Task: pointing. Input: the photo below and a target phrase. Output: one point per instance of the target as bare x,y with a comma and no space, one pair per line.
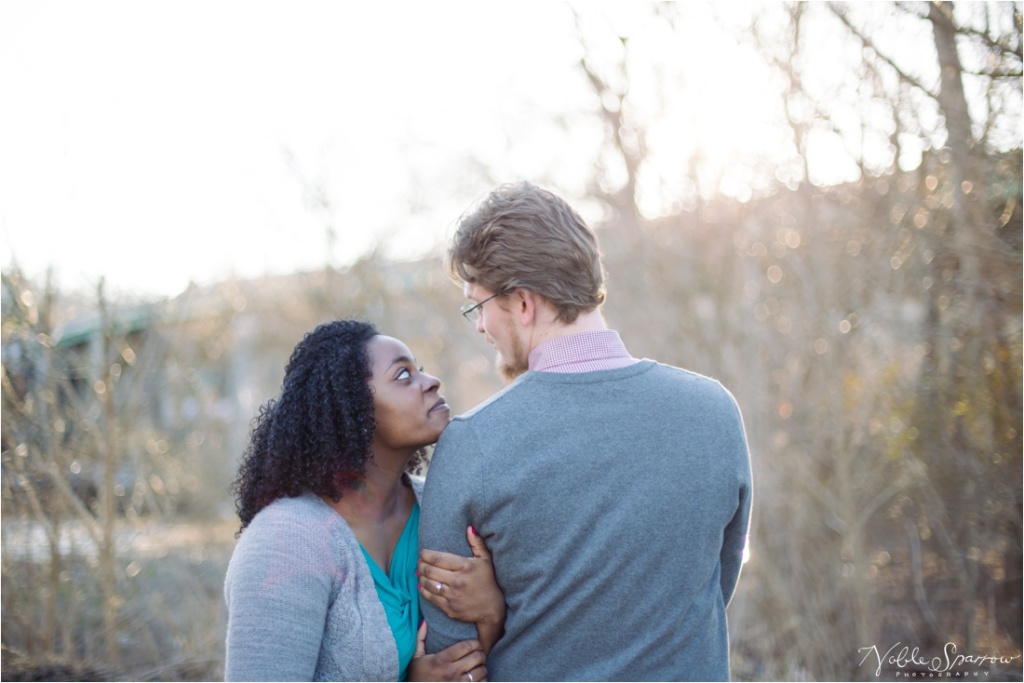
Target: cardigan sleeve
278,589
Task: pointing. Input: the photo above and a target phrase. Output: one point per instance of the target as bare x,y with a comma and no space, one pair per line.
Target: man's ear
525,306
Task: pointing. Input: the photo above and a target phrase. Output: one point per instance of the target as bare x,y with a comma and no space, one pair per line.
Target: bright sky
155,143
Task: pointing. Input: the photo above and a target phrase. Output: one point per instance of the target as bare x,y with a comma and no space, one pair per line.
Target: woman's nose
432,382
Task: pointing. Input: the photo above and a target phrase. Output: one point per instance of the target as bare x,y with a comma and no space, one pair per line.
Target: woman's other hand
463,661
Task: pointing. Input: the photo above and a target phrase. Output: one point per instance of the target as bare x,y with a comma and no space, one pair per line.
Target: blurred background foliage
870,330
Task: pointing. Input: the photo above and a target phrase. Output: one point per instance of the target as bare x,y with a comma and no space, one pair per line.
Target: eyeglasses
469,310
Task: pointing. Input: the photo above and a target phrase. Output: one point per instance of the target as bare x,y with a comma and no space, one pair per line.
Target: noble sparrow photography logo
909,662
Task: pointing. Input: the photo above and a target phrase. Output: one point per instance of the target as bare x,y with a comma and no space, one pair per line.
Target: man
613,493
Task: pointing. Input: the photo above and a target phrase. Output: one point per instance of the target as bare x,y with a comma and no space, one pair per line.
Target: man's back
615,504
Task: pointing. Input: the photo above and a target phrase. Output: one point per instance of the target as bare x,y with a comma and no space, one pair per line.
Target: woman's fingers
449,561
421,640
435,596
463,588
477,545
431,589
448,568
430,573
438,583
477,674
464,650
472,661
463,661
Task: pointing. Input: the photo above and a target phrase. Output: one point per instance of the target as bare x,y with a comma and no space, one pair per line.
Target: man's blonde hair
523,236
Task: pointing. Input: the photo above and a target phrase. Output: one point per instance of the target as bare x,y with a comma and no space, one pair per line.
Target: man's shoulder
495,403
689,379
647,377
464,434
644,375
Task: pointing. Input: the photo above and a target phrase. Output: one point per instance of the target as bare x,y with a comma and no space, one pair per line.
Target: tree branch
996,74
868,43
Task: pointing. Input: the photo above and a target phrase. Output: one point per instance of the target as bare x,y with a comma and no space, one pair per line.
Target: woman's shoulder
297,543
301,509
300,525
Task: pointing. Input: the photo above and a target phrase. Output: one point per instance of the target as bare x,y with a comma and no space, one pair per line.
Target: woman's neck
376,510
379,495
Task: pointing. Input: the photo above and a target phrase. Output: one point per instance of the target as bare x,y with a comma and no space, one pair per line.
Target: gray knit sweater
616,505
302,605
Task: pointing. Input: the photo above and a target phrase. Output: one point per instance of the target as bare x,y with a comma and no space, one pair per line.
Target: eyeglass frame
470,308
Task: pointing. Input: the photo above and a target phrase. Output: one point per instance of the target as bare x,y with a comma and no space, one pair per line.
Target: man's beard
517,364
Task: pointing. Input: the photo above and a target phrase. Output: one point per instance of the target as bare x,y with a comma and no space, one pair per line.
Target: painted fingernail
420,587
417,572
474,531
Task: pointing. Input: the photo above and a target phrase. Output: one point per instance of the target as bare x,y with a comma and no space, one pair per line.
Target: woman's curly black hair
316,436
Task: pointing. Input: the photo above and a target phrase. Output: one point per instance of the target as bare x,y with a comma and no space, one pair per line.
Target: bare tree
871,330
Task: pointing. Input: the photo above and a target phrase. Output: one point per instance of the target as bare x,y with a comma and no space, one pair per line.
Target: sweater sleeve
278,591
734,542
445,512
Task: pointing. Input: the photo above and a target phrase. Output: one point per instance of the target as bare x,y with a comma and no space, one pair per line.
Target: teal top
397,590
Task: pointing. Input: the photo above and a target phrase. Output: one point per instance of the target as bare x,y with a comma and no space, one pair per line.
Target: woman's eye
403,374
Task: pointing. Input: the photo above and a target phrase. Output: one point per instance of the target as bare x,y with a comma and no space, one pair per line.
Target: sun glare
233,158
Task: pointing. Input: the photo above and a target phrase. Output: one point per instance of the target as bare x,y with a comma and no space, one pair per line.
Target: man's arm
452,482
734,542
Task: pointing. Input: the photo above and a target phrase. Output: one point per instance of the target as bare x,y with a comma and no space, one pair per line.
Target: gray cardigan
302,605
616,506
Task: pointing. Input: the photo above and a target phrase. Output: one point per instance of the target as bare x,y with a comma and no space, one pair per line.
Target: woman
322,584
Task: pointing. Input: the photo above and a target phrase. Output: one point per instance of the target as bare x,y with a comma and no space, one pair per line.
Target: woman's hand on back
463,661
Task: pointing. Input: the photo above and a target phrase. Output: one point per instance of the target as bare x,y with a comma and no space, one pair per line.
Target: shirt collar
581,352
